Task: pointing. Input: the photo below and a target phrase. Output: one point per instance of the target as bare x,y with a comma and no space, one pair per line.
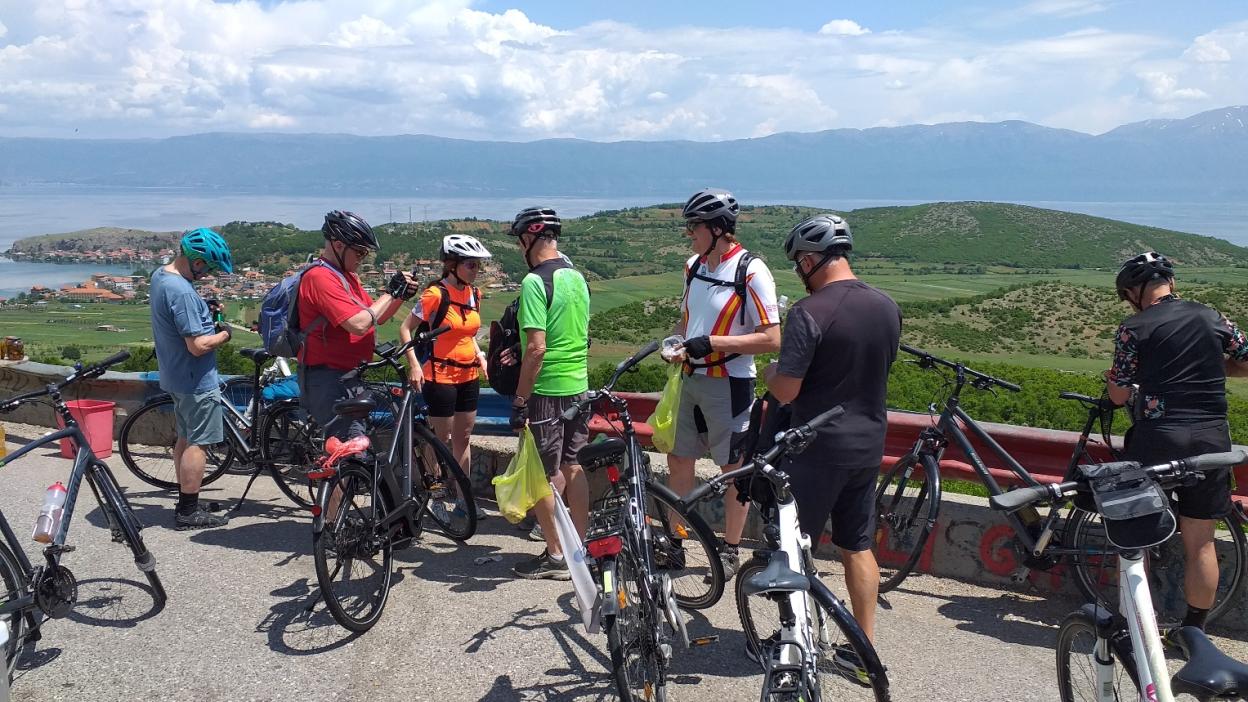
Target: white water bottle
783,303
49,521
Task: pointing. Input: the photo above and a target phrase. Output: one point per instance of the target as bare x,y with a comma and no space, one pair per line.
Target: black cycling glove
519,416
698,347
400,288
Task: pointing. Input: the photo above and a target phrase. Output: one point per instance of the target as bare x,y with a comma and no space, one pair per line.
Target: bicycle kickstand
243,498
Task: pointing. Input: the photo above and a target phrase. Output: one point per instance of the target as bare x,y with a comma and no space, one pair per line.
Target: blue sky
646,70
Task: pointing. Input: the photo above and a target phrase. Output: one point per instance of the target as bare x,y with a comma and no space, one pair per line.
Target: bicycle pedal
704,640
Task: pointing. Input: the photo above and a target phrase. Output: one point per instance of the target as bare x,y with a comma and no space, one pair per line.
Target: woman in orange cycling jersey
449,378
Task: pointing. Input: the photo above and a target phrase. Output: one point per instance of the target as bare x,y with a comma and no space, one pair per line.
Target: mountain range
1203,158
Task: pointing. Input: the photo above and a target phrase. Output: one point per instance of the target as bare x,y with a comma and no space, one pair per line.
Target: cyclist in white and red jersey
728,314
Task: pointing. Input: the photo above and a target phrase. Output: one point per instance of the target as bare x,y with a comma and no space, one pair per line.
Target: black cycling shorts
846,496
445,399
1157,442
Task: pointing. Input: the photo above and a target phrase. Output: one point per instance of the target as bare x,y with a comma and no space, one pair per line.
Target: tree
71,353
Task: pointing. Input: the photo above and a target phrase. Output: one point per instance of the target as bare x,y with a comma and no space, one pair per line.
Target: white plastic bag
588,596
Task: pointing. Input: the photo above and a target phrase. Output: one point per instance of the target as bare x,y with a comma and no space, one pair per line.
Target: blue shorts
198,417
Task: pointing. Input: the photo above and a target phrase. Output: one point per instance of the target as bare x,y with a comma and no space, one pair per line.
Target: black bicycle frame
933,442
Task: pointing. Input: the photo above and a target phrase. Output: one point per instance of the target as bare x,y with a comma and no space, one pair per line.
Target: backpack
280,329
424,350
504,335
740,288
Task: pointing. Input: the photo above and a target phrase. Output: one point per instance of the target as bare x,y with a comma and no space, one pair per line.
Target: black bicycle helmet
712,204
537,220
825,232
350,229
1142,269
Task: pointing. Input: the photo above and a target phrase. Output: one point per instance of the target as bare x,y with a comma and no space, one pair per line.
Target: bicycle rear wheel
451,505
238,392
12,586
1077,666
1096,567
146,443
288,446
636,661
125,526
685,547
353,562
907,503
848,666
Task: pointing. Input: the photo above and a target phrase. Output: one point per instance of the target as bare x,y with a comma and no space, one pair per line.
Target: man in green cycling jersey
554,375
1171,360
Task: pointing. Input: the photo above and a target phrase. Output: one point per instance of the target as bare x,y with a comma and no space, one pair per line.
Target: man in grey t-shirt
837,347
186,342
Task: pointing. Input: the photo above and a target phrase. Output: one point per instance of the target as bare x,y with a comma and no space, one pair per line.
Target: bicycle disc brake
56,592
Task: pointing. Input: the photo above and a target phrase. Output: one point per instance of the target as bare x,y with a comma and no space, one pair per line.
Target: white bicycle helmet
463,246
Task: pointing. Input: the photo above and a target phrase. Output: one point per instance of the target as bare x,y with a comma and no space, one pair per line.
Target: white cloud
159,67
844,28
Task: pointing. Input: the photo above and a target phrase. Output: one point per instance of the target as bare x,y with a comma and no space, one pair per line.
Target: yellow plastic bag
663,421
524,482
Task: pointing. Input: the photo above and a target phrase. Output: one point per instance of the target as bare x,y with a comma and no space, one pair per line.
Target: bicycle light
606,546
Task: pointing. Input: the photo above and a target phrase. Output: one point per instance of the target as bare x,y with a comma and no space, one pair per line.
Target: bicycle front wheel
848,666
907,503
1096,566
685,547
288,446
1077,664
353,560
12,587
636,661
146,442
450,504
125,526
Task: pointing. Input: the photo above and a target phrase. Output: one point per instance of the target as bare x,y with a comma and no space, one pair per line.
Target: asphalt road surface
236,626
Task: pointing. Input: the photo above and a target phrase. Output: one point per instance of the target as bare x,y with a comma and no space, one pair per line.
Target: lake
18,276
30,210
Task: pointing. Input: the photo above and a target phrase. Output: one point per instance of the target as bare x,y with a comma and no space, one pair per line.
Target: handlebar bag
1133,507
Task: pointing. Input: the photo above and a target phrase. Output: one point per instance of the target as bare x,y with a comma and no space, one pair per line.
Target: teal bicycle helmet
206,245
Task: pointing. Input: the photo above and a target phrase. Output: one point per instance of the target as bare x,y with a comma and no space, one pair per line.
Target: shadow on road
114,602
1007,617
293,630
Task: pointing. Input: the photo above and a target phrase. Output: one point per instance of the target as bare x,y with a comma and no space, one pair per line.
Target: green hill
650,240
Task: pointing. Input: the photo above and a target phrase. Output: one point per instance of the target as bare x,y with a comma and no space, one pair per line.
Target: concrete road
236,625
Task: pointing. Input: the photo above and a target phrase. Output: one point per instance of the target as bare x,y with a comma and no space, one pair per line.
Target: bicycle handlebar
593,396
1017,499
928,360
94,370
786,441
390,358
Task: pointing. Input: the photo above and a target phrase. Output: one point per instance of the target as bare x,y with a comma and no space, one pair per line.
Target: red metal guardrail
1045,453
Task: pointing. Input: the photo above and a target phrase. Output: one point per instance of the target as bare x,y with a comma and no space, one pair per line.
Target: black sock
188,502
730,547
1195,617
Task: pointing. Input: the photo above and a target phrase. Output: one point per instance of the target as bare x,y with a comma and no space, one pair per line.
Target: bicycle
286,441
369,504
909,495
638,543
33,594
1109,657
796,647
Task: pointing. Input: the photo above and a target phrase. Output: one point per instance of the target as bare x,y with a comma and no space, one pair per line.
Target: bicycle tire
905,519
455,517
13,580
760,620
152,462
1076,661
628,639
288,447
127,527
697,573
351,531
1096,576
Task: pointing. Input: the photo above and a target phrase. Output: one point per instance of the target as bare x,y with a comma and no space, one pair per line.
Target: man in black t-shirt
1171,359
836,349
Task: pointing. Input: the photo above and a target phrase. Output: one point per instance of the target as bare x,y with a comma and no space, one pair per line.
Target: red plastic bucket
95,418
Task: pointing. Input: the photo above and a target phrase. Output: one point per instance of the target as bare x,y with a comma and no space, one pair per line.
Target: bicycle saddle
776,577
355,407
1089,401
1209,673
256,355
601,453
